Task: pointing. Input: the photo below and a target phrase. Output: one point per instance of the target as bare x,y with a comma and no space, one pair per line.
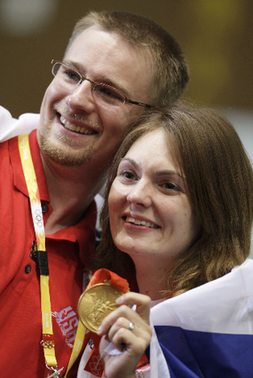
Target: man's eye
71,75
108,92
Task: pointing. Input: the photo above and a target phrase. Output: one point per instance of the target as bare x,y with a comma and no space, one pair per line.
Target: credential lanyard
47,341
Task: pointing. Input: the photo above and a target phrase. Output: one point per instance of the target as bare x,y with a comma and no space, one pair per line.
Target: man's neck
71,191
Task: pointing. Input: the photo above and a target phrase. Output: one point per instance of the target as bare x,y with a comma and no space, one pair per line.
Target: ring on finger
130,326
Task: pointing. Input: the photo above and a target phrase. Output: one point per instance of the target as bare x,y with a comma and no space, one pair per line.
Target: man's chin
65,156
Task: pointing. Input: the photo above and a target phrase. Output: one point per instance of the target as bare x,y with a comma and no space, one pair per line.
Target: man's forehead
106,55
95,34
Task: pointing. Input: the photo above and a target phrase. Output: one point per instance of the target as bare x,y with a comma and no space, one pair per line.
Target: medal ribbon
42,263
106,276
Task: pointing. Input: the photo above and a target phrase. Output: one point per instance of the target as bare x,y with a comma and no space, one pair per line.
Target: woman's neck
151,281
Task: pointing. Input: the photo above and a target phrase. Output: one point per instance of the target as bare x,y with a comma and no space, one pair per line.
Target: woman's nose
140,194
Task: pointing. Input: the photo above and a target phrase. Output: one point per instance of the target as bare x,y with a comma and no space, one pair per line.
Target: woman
178,210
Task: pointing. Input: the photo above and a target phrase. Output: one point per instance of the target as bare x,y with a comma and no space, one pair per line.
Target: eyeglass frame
94,84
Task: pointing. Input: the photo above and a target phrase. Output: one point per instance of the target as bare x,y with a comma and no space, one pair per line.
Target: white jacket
10,127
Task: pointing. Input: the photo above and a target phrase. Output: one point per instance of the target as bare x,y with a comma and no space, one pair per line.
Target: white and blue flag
206,332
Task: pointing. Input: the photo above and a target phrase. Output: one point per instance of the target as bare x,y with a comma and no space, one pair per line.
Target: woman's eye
171,186
129,175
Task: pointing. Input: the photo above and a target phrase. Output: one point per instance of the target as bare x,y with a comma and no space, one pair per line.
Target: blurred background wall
216,36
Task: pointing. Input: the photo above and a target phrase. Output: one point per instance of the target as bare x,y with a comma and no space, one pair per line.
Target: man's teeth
76,129
140,222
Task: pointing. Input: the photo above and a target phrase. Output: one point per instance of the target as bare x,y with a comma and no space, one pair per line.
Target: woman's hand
130,333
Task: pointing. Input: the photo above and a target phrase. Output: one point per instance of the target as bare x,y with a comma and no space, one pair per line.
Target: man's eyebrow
71,64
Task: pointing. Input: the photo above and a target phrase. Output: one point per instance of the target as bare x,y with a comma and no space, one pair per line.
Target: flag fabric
206,332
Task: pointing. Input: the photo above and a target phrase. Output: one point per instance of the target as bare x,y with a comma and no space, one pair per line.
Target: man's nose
81,98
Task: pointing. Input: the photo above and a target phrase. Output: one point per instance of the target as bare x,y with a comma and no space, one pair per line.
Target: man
116,66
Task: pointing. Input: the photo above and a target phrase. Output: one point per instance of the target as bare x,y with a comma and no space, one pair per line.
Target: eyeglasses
103,93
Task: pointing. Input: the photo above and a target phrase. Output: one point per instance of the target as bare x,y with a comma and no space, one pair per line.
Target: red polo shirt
21,354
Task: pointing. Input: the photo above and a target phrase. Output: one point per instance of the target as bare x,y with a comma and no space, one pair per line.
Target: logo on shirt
67,321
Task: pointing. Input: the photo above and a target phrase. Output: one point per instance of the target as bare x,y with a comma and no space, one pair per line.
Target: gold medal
96,303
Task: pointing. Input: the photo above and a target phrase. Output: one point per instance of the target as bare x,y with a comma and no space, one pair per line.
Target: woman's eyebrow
169,172
126,159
